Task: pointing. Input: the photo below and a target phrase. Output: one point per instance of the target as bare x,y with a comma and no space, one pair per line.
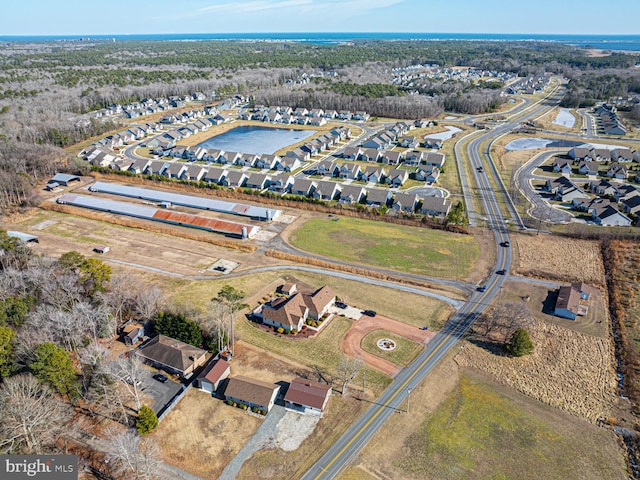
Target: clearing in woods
398,247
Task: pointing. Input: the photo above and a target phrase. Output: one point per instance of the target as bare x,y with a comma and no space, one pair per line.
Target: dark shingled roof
308,393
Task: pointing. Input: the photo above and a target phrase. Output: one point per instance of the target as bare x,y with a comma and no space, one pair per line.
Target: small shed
101,249
213,375
23,237
132,333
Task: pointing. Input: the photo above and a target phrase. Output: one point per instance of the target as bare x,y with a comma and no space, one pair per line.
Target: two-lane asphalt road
394,398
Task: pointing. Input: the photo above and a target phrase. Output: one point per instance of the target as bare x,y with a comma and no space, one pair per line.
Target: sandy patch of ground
568,370
350,343
559,258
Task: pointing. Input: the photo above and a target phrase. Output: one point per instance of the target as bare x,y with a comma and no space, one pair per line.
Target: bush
280,330
294,332
229,402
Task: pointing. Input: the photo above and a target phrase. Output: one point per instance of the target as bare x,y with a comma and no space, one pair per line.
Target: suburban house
352,153
292,312
215,175
258,181
618,171
378,197
172,355
349,171
267,161
581,153
247,159
405,202
397,178
370,155
624,155
352,194
434,159
562,166
288,163
250,392
213,375
564,189
427,174
174,170
435,143
631,205
435,206
392,157
194,173
410,142
604,187
303,186
326,168
307,397
607,214
326,190
281,183
234,179
587,167
156,167
373,174
413,158
139,166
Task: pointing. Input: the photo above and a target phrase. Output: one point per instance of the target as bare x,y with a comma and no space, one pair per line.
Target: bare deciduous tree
148,302
133,457
132,374
347,370
31,418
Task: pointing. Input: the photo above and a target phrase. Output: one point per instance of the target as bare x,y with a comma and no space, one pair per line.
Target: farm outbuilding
148,213
23,237
64,179
191,201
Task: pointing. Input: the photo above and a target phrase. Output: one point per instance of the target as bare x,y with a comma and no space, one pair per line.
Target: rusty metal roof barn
201,203
161,215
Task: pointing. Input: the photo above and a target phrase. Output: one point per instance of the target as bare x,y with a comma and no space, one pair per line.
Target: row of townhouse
394,177
609,120
589,167
130,135
147,106
619,154
603,211
411,158
388,138
301,115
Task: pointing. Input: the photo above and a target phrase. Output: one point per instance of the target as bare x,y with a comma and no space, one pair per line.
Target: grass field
398,247
483,431
404,353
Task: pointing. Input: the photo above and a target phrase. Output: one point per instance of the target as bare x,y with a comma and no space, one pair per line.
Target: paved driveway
160,392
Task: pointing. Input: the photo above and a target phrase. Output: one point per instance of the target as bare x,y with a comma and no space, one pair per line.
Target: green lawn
481,433
404,353
397,247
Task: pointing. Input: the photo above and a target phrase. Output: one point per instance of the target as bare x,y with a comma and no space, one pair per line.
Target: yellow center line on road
386,404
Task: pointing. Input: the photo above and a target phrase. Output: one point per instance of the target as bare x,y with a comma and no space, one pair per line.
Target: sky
99,17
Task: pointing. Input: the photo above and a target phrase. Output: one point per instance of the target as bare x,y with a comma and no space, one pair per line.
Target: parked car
341,305
483,288
220,268
161,378
426,327
369,313
501,272
505,244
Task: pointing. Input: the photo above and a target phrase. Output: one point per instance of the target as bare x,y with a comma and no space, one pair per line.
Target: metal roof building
64,179
159,215
24,237
201,203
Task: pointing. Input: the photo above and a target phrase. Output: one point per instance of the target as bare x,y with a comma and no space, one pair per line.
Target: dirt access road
350,343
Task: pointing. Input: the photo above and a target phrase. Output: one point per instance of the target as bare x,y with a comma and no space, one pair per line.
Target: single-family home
410,142
413,158
568,303
631,205
213,375
326,190
370,155
326,168
405,202
247,159
281,183
349,171
377,197
194,173
172,355
215,175
139,166
288,163
252,393
604,187
267,161
397,178
434,143
234,179
228,158
392,157
563,166
259,181
352,194
617,170
609,216
307,397
174,170
352,153
434,159
373,174
435,206
132,332
581,153
299,154
622,155
303,186
587,167
156,167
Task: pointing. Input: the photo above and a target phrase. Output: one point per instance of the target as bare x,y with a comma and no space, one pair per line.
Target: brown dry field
203,434
546,121
559,258
350,343
595,323
567,369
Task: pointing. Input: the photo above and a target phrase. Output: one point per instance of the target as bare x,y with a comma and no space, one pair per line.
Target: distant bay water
629,43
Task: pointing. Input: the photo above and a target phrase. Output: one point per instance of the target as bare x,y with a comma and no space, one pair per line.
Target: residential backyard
398,247
405,350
